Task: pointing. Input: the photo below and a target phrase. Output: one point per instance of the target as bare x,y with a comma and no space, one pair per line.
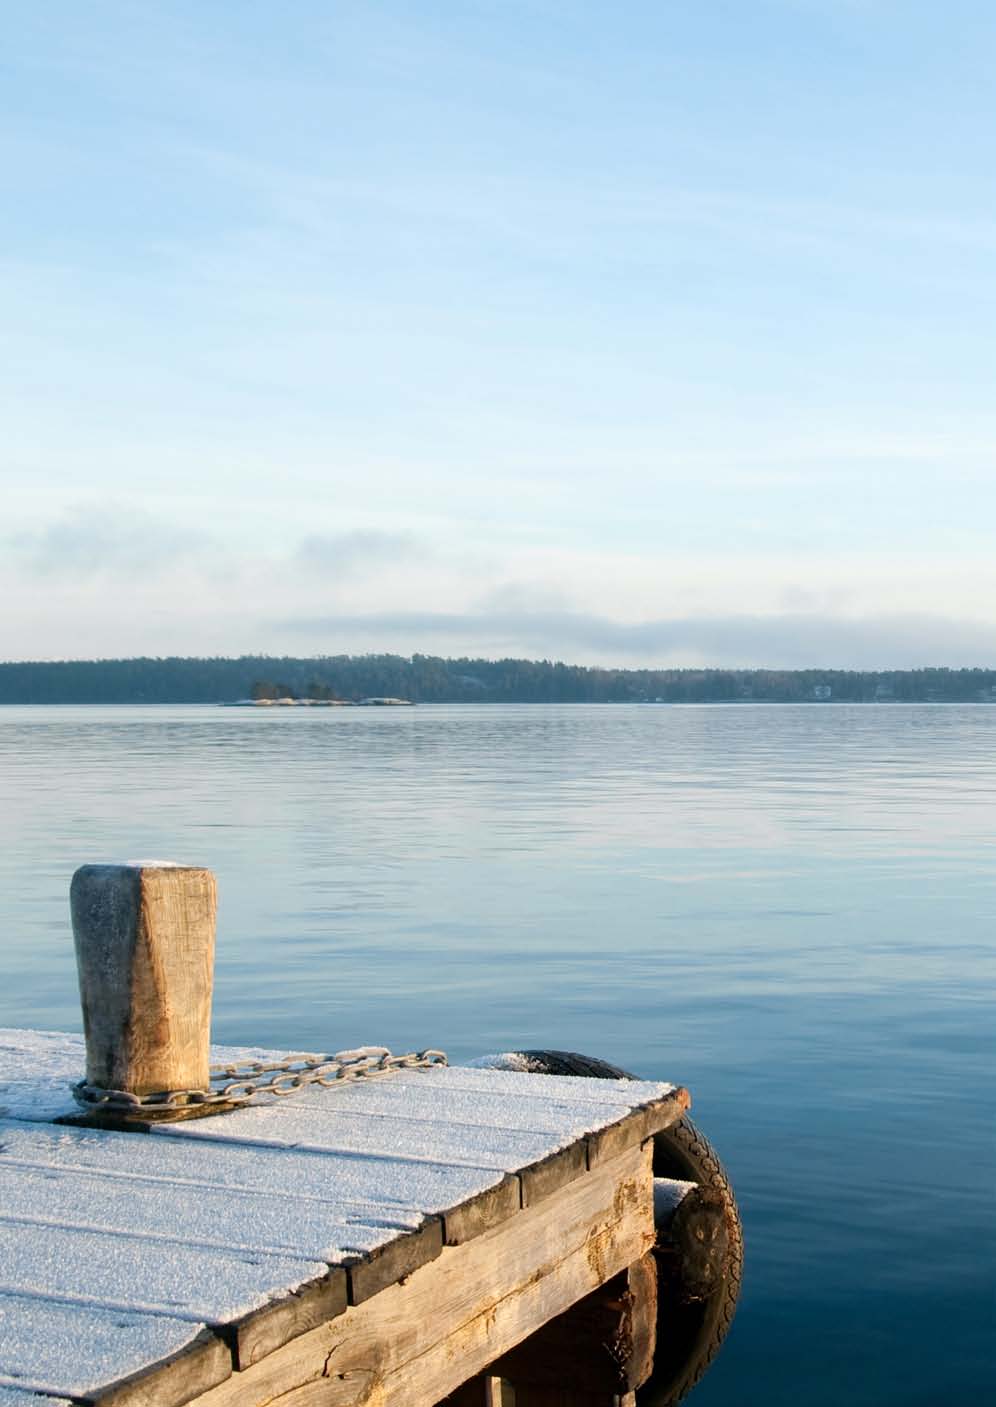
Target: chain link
242,1083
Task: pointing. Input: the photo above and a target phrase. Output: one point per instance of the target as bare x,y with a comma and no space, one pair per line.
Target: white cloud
786,641
107,540
347,554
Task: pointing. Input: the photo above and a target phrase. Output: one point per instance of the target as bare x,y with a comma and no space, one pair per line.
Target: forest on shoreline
430,679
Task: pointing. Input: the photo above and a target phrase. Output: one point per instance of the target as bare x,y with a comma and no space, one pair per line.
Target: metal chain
242,1083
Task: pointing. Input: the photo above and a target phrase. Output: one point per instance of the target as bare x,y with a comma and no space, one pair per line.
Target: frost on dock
131,1246
171,1245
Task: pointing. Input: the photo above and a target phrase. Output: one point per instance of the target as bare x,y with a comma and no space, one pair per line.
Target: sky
653,333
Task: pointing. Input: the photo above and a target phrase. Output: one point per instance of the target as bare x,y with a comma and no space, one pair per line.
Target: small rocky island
288,701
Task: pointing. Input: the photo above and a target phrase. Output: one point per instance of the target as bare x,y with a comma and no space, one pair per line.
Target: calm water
789,909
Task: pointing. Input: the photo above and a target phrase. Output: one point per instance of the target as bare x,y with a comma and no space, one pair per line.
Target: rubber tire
692,1333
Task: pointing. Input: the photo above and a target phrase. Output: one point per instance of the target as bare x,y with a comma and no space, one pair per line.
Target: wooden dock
396,1233
383,1242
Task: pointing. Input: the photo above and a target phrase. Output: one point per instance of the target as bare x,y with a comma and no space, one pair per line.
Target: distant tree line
429,679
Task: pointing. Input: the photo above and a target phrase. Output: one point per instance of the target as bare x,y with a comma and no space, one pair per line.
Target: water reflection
790,909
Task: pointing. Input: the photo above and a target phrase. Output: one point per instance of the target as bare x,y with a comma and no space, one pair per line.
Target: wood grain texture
667,1110
205,1362
266,1200
549,1174
394,1261
277,1323
145,957
479,1214
638,1126
420,1339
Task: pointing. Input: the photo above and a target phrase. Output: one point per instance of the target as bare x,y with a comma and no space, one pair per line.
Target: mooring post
144,937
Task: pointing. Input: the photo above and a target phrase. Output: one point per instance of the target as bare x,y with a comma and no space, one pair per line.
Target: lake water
789,909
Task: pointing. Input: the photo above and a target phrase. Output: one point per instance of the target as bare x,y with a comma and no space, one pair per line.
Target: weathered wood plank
554,1089
394,1261
440,1125
549,1174
37,1067
65,1348
177,1380
389,1191
275,1324
434,1118
199,1284
19,1397
642,1123
666,1109
479,1214
175,1211
417,1341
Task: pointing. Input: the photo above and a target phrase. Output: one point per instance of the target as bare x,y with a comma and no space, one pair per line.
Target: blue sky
647,333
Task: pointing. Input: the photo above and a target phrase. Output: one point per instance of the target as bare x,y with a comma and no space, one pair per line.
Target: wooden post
145,953
484,1391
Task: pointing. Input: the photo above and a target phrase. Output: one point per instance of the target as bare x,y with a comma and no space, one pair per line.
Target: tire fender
700,1246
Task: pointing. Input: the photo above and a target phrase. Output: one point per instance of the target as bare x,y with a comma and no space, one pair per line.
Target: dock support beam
145,952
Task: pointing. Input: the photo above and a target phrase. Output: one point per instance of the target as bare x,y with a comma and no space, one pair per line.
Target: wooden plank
636,1127
432,1123
420,1339
548,1175
395,1192
641,1288
37,1067
434,1119
174,1211
667,1109
439,1138
394,1261
273,1325
20,1397
149,1276
479,1214
553,1089
199,1366
68,1349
